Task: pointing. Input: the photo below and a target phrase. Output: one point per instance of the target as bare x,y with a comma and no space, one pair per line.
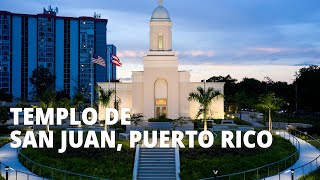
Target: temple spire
160,2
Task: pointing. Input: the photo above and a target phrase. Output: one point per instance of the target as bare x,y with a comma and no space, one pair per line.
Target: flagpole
109,71
91,54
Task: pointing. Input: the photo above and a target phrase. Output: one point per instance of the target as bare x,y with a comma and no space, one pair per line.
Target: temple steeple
160,29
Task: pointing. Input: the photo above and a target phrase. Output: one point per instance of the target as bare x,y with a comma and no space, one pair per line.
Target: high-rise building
62,44
111,49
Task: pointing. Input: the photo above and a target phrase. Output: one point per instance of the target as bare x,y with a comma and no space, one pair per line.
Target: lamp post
7,172
288,104
292,174
305,136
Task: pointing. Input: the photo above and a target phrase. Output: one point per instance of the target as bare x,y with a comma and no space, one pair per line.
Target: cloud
196,53
269,50
130,54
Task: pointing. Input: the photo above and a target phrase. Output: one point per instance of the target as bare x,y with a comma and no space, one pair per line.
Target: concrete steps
156,163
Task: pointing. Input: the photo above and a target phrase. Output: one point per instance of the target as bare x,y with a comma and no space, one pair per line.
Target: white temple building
161,88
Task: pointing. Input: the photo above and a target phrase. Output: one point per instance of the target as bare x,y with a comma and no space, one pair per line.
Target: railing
136,163
50,172
17,175
177,160
306,168
268,169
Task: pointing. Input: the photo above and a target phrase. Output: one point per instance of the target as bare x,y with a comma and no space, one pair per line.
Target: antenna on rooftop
97,16
50,10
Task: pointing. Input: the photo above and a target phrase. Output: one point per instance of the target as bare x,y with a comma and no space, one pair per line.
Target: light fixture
7,168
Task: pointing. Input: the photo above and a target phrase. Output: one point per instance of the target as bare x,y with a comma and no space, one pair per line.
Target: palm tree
78,100
104,98
205,99
47,100
269,103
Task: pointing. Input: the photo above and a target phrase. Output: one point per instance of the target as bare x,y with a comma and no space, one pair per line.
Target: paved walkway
307,154
9,157
246,117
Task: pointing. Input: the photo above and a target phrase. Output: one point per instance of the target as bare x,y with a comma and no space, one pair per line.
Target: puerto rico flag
115,60
98,60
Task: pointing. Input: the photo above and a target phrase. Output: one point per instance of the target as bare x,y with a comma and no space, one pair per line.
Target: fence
306,168
17,175
50,172
269,169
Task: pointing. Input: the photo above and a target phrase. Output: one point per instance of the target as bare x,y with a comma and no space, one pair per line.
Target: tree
4,115
137,119
270,103
47,100
205,99
104,98
308,88
229,86
5,96
240,99
41,79
78,100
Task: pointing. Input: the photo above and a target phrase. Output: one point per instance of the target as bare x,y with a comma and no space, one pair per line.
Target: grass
312,176
103,163
2,178
4,141
316,174
198,162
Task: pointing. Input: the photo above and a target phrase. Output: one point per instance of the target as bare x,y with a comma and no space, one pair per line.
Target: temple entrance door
161,98
161,107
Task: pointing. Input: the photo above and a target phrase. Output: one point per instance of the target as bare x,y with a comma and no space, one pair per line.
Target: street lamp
292,174
215,172
7,172
305,136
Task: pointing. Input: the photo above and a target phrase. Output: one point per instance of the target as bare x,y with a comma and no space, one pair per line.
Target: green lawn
312,176
199,163
103,163
4,141
2,178
316,174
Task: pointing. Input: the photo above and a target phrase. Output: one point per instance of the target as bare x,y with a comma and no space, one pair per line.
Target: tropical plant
239,99
104,98
41,79
47,100
4,115
137,119
269,103
179,122
78,100
205,98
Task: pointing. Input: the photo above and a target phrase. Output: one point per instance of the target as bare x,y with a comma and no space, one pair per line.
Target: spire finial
160,2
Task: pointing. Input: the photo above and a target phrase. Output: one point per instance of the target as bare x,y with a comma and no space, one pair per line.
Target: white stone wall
217,108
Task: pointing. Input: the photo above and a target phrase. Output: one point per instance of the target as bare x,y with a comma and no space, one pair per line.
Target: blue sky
254,38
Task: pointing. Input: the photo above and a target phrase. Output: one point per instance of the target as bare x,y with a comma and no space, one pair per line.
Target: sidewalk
246,117
307,154
9,157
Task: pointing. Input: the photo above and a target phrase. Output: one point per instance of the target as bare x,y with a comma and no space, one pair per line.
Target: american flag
115,60
98,60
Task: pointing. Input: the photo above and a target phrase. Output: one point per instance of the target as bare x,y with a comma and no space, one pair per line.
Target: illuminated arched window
160,42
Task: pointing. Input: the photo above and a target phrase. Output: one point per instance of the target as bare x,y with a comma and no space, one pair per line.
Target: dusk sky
242,38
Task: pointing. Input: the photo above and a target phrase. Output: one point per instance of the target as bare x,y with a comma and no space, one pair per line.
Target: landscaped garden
4,140
199,163
103,163
312,176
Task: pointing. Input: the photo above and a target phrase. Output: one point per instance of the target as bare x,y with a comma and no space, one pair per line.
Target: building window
160,41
